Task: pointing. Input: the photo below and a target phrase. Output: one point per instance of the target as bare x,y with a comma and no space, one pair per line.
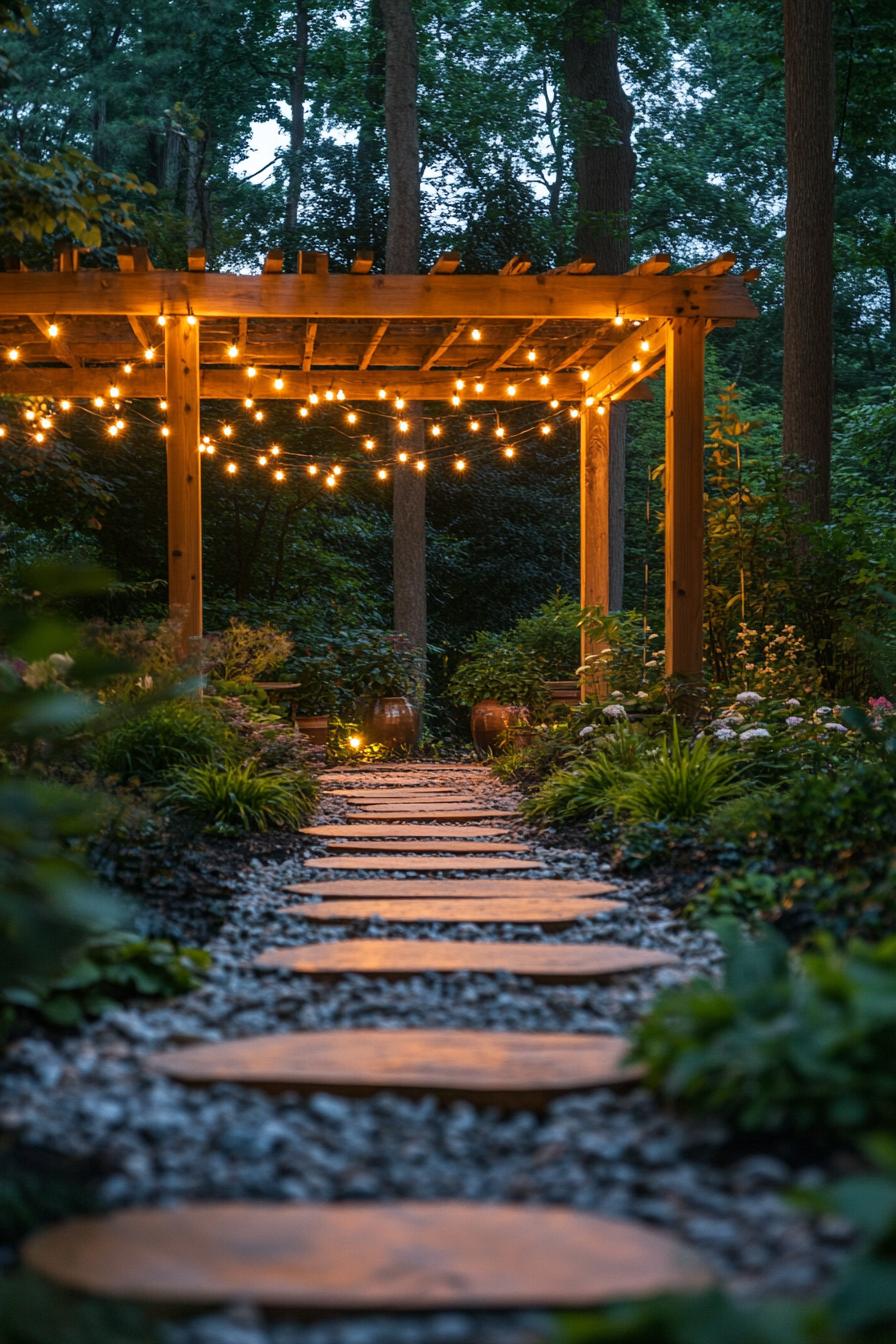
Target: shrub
677,782
493,669
264,735
583,790
242,796
244,652
168,736
785,1044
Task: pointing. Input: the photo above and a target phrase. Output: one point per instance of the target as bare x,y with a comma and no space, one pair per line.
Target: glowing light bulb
149,354
275,450
210,449
511,389
351,418
589,401
99,402
279,474
573,412
340,395
618,320
53,330
312,468
2,431
544,379
459,384
251,371
279,383
119,423
114,392
65,404
436,431
601,410
553,403
30,415
531,356
382,394
248,403
420,465
509,451
165,432
402,457
231,468
314,398
644,344
337,470
262,461
479,387
636,366
460,464
233,351
40,437
455,400
382,474
330,481
400,403
585,374
128,368
303,412
546,430
191,319
227,430
355,742
474,426
259,416
161,320
112,431
475,334
370,444
329,395
500,431
403,426
13,354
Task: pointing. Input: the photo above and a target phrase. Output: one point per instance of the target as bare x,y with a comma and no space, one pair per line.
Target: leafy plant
584,790
106,972
169,735
785,1044
244,652
243,796
677,781
494,669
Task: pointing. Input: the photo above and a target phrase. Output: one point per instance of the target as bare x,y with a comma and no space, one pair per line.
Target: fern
682,782
244,797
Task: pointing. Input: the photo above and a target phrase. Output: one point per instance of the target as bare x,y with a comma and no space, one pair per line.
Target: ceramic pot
490,722
391,720
316,727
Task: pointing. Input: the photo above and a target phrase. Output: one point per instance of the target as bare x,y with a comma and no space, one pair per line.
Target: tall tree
601,117
297,95
403,257
808,381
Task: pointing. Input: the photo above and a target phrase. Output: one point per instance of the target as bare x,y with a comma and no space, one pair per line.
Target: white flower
61,663
823,711
749,698
651,662
641,695
587,730
835,727
616,695
792,703
614,712
752,734
793,720
724,734
730,717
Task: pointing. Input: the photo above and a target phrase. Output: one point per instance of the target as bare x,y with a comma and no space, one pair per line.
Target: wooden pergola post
184,477
684,499
594,529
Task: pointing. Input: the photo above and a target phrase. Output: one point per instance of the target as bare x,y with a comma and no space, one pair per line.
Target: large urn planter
492,724
391,720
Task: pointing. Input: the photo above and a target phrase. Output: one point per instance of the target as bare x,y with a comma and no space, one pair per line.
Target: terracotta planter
316,727
392,721
490,722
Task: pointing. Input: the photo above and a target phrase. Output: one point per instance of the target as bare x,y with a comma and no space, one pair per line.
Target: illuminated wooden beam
58,346
363,263
372,344
435,355
515,344
378,297
184,480
273,262
308,352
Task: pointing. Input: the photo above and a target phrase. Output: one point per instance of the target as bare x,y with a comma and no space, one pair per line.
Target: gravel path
156,1141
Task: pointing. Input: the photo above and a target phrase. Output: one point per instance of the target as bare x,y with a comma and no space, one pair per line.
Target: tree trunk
193,204
369,230
296,125
808,376
604,170
403,257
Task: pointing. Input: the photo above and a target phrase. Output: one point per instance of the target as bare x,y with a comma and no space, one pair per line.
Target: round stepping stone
559,962
516,910
428,846
410,863
381,830
491,1067
353,1257
459,888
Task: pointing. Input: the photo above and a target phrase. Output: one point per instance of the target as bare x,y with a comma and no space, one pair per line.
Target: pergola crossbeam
435,355
308,351
371,347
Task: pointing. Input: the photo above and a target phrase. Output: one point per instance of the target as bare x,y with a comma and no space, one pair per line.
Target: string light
351,418
420,464
65,404
544,379
479,387
400,403
119,423
636,366
402,456
585,374
382,474
165,431
511,389
227,430
459,384
263,461
3,431
259,416
460,464
114,392
337,470
329,394
53,330
509,451
99,402
191,319
546,430
476,334
644,344
589,401
30,415
500,431
330,481
455,400
13,354
314,398
127,368
275,450
573,412
248,403
279,383
618,320
403,426
303,412
312,468
163,405
161,320
370,444
251,371
601,410
231,468
112,431
40,437
382,394
474,426
279,474
340,394
233,351
149,354
210,449
435,431
531,356
554,403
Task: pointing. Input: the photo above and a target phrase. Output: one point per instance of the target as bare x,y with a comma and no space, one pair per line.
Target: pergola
599,337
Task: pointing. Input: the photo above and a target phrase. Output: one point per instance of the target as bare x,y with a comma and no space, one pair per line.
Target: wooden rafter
381,297
273,262
196,259
581,266
308,352
435,355
516,266
58,347
140,332
515,344
363,262
371,347
447,264
312,263
614,370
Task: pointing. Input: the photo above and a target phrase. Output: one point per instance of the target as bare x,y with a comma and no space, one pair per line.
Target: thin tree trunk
368,227
297,86
604,170
808,379
403,257
193,204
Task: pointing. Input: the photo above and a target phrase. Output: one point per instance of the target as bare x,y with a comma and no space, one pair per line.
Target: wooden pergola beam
378,297
446,264
58,346
371,347
615,368
363,262
515,344
273,262
308,351
147,382
182,393
435,355
517,265
196,259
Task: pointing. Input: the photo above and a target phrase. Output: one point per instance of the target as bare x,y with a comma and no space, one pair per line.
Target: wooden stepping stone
562,963
353,1257
426,813
414,800
515,910
458,888
378,830
409,863
490,1067
428,846
387,791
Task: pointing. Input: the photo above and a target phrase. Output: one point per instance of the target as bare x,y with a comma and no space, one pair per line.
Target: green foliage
108,971
584,790
784,1045
242,796
65,196
513,666
32,1311
168,736
244,652
677,781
